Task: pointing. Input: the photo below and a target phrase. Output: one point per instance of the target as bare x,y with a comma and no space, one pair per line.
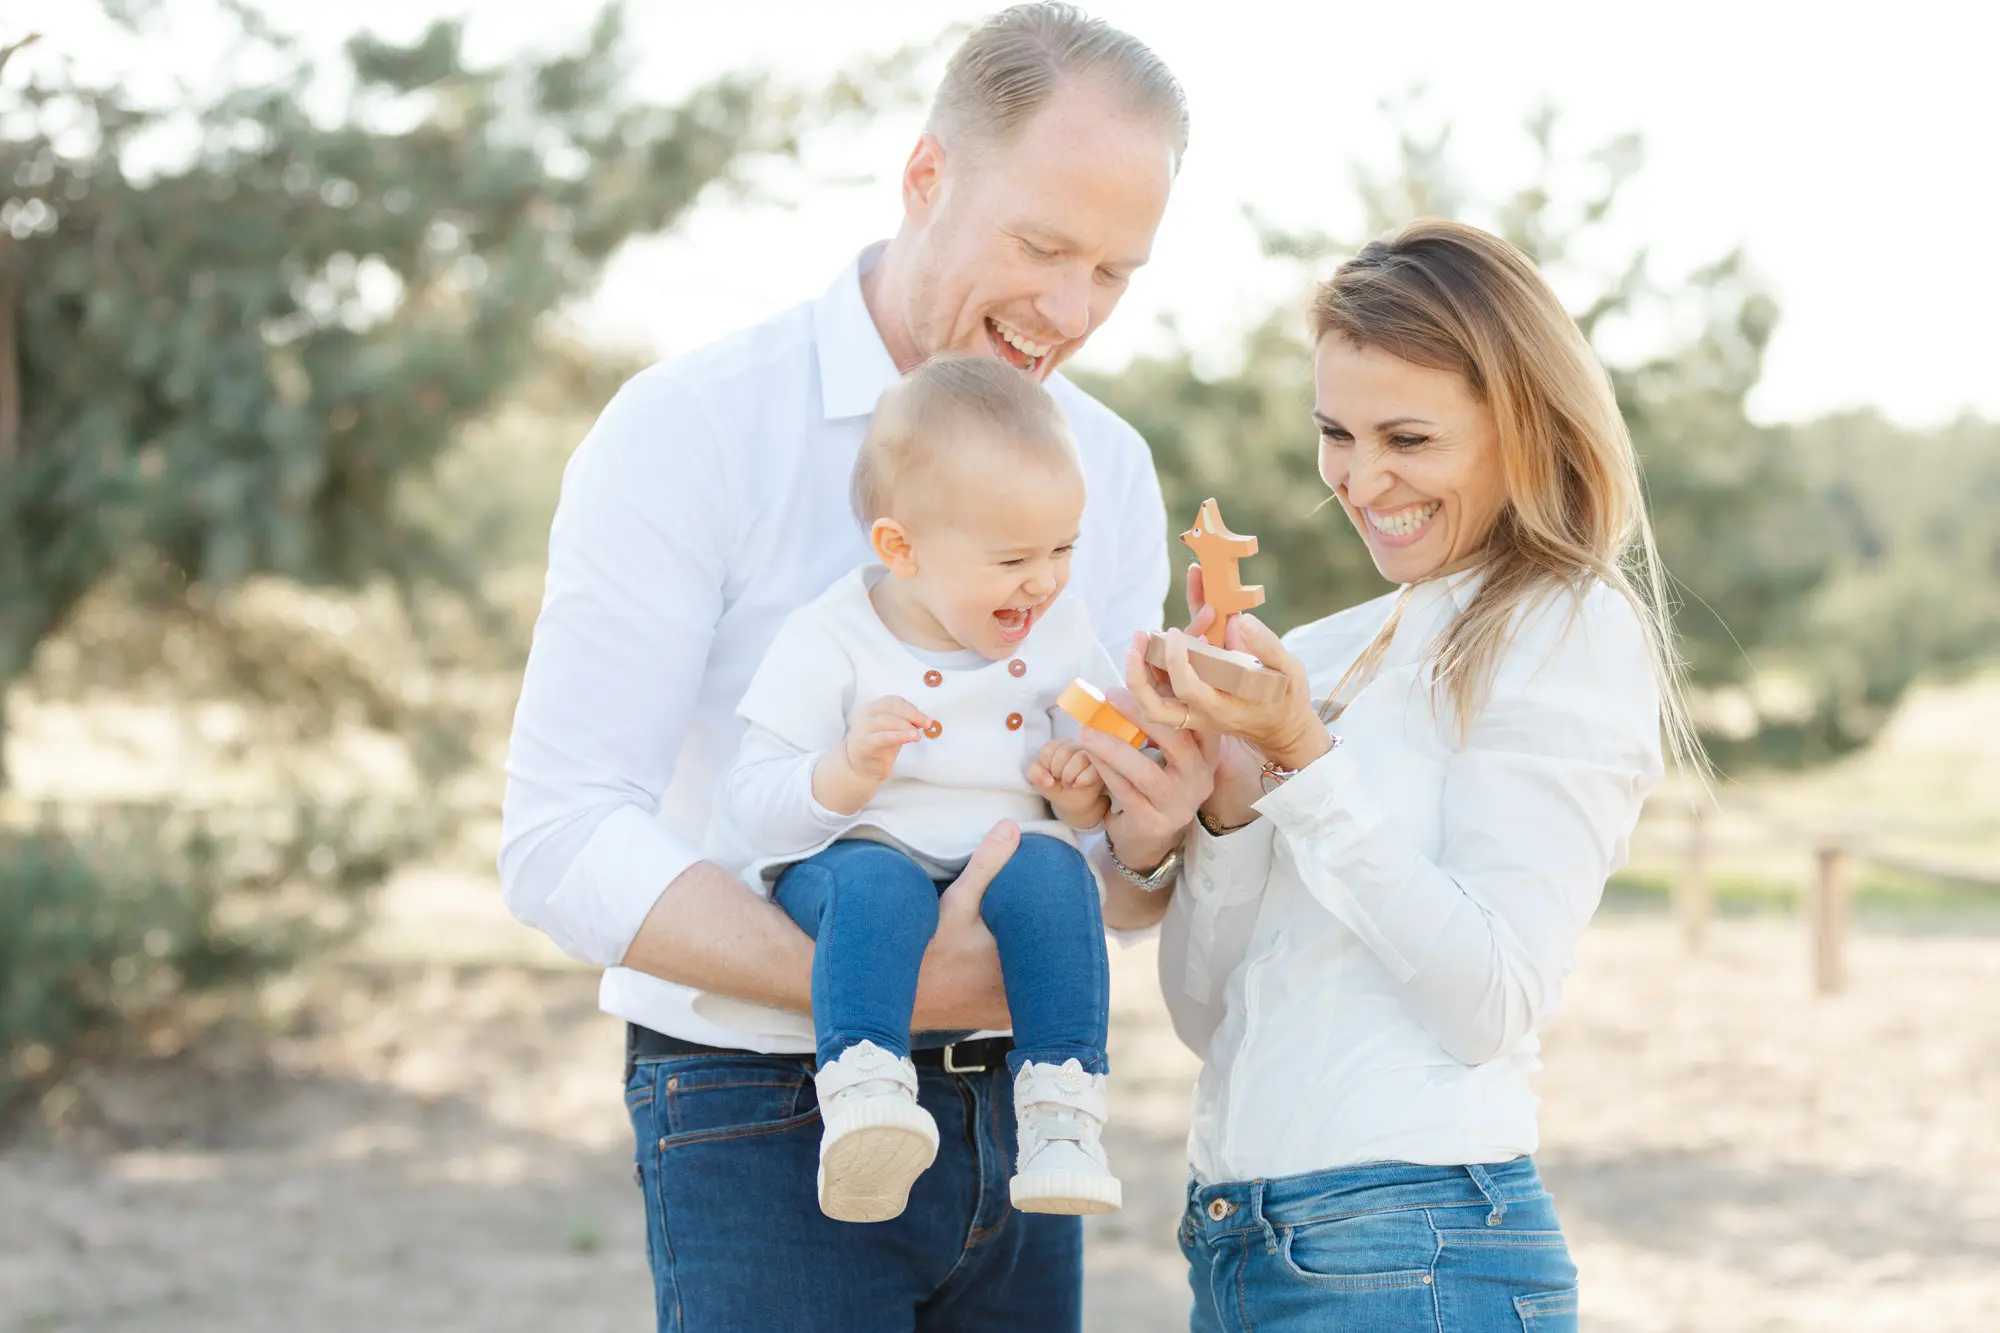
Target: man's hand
959,988
1066,778
846,777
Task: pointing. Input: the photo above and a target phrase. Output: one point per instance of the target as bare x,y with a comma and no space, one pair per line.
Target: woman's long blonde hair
1451,297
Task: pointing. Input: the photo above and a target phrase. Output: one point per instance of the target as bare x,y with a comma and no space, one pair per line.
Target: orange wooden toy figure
1218,550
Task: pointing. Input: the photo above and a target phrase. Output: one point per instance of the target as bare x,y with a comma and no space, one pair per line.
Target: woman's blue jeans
1389,1247
873,911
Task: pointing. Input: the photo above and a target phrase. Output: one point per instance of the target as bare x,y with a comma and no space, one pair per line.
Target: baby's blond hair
917,433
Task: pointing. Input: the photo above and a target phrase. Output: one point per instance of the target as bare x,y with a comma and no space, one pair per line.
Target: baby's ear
891,543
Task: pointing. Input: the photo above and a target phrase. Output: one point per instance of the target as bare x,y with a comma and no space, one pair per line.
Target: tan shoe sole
869,1157
1070,1192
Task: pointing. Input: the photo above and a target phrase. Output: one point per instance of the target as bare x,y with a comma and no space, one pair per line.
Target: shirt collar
854,363
1434,603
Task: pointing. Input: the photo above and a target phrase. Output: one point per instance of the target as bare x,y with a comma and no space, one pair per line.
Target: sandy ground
442,1148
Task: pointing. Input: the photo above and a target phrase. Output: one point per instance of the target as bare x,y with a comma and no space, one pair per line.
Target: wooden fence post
1693,900
1827,919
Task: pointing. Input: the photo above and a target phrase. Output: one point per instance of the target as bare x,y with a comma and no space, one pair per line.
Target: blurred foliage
1796,643
235,359
257,344
1913,579
106,928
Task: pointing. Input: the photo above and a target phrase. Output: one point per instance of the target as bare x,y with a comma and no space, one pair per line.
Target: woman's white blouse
1365,969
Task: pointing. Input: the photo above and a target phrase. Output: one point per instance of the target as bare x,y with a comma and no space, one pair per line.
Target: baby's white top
833,655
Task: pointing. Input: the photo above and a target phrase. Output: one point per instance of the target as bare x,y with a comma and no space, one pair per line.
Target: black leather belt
959,1057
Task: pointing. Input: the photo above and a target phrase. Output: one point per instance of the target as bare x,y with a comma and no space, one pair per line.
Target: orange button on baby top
1013,721
933,678
935,729
1017,668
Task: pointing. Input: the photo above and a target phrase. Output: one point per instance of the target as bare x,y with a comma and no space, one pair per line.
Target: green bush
106,928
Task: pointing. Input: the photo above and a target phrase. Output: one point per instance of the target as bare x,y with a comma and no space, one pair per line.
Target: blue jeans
873,911
1389,1247
727,1149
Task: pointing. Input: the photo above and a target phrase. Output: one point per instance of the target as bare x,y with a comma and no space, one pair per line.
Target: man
710,500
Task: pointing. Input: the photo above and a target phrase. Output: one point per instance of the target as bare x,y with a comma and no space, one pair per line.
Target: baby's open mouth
1014,622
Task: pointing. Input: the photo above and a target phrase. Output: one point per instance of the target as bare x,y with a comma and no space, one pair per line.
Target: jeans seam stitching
741,1083
666,1233
1243,1285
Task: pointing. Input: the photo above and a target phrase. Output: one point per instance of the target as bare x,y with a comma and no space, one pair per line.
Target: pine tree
227,365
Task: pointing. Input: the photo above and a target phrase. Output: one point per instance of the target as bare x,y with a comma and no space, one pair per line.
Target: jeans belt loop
1257,1207
952,1066
1492,1193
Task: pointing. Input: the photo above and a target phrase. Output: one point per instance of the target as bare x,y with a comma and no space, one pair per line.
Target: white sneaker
876,1140
1059,1112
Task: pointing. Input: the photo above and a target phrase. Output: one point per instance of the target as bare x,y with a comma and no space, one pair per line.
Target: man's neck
884,290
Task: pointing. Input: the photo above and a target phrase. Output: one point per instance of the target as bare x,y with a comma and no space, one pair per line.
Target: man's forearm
710,931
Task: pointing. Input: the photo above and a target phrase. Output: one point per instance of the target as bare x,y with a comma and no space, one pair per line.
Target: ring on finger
1186,713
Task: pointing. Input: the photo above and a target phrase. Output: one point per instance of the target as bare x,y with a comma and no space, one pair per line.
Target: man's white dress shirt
709,501
1364,969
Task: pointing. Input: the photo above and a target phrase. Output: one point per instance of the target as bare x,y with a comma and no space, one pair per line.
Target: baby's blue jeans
873,911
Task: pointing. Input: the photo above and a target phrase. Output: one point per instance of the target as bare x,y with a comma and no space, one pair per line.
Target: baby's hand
1064,775
878,733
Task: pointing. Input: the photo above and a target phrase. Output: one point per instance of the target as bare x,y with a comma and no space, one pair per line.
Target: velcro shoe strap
1048,1085
875,1066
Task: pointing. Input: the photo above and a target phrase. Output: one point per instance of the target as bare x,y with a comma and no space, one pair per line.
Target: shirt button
1017,668
1013,721
933,678
935,729
1219,1209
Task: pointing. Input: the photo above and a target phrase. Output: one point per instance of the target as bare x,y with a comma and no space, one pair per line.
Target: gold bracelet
1215,828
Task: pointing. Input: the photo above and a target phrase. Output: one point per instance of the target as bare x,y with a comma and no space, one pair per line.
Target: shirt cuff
1323,800
597,909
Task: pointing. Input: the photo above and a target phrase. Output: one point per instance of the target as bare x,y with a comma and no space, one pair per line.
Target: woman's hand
1152,801
1285,730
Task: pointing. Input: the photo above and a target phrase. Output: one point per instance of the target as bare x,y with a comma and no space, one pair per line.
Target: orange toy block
1218,550
1087,704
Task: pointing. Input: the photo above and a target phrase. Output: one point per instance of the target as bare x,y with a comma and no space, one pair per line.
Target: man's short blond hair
1011,65
933,419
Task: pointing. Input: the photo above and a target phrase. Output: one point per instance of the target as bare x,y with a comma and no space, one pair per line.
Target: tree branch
7,51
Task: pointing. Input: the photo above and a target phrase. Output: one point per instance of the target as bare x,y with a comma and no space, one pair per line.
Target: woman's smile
1404,525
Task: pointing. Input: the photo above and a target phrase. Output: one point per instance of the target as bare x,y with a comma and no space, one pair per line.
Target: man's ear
891,541
923,179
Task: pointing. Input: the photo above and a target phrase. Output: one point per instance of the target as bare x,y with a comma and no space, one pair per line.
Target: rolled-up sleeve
635,588
1539,804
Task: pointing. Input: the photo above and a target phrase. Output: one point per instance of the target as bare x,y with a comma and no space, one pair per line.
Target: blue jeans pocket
1548,1311
1374,1251
702,1098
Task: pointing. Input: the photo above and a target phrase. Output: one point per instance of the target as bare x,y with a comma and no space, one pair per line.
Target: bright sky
1854,151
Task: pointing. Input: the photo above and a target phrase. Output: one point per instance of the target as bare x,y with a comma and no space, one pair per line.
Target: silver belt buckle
952,1066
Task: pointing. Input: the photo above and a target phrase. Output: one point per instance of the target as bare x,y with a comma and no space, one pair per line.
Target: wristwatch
1163,873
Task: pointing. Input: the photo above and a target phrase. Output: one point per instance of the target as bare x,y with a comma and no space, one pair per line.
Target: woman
1392,863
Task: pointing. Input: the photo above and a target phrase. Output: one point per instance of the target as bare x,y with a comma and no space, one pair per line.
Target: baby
893,722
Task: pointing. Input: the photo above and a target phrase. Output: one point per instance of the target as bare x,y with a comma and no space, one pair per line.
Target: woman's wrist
1300,746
